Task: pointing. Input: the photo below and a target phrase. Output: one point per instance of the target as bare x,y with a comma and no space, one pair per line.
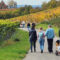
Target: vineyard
5,10
7,28
40,16
8,13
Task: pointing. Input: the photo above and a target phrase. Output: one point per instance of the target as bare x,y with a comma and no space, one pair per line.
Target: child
41,36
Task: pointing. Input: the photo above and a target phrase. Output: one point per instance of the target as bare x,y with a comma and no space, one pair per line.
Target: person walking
41,39
28,26
33,37
50,35
23,23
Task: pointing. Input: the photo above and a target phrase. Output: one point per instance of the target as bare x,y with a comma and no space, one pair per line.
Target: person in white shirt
23,23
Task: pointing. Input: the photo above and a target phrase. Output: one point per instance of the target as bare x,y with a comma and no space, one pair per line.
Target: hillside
40,16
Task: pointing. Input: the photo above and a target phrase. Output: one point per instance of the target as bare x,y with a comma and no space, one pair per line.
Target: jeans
41,41
23,25
28,28
33,44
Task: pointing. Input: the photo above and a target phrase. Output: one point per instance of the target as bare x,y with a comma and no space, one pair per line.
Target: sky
28,2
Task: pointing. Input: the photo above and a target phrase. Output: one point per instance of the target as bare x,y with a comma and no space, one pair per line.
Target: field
5,10
8,13
39,16
15,50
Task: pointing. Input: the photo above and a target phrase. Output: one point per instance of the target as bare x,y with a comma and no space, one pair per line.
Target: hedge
7,28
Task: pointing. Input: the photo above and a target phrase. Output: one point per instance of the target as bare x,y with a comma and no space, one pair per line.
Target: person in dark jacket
33,37
28,26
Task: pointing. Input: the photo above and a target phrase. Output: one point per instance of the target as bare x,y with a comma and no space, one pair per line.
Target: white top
23,22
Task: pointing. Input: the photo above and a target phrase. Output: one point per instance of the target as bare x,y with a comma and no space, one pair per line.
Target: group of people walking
33,37
22,25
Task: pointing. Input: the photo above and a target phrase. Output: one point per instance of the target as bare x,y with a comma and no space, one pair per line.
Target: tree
12,4
34,10
21,11
50,4
58,3
44,5
25,10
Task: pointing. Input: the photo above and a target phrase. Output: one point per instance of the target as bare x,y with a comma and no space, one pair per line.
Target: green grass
55,21
45,26
12,50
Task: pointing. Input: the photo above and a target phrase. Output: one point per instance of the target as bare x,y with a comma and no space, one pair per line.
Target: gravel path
45,55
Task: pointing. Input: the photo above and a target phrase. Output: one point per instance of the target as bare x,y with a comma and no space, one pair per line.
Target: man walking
50,35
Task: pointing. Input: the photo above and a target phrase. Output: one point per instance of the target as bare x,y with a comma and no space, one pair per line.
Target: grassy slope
15,50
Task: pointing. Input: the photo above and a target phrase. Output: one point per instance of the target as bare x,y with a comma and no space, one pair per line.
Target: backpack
41,35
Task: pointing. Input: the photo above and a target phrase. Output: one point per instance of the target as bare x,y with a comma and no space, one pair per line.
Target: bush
7,28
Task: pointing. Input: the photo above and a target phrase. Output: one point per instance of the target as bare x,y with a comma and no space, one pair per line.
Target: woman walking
28,26
33,37
23,23
41,39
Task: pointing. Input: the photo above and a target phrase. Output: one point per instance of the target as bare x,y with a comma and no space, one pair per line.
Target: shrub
7,28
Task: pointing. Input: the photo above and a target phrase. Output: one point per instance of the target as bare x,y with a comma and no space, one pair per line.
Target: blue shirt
49,33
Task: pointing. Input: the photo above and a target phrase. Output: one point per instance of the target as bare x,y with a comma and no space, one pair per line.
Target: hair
41,28
49,25
33,25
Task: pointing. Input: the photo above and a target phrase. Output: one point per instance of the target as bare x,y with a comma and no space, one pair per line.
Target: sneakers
41,51
34,51
31,51
51,51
